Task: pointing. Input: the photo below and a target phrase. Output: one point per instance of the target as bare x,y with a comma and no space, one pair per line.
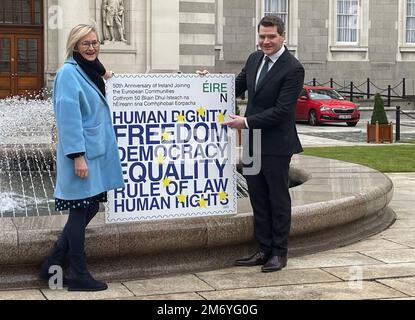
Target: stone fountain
334,203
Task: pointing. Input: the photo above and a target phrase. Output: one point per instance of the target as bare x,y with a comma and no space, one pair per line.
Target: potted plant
379,130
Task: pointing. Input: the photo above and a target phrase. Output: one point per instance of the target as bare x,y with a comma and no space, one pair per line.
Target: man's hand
237,122
81,168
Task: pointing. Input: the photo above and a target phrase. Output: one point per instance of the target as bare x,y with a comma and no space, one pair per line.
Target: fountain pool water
26,157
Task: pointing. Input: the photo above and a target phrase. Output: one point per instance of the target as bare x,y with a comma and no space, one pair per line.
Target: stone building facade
347,40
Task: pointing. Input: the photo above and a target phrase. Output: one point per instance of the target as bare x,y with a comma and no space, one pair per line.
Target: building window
278,8
410,21
406,30
347,21
287,10
348,30
21,12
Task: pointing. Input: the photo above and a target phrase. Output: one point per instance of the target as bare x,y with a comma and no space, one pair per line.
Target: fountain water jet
26,157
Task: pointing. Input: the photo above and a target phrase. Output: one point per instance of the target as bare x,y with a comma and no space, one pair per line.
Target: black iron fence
365,89
399,114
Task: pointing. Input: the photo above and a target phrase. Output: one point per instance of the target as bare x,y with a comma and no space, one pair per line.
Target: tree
379,114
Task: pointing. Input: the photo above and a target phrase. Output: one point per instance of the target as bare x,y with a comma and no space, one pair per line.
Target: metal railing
398,125
367,88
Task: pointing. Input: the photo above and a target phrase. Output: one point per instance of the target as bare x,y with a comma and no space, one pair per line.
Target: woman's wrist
73,156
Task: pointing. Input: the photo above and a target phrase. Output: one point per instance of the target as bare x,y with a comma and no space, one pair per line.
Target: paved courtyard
380,267
341,134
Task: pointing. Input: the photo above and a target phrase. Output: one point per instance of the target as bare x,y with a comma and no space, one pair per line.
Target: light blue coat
84,124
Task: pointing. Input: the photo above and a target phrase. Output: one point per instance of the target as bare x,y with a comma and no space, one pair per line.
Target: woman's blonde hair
76,34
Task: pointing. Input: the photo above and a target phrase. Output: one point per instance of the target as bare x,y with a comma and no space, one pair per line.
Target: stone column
164,36
73,12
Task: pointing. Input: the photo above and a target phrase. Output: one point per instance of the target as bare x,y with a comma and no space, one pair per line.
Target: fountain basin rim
28,240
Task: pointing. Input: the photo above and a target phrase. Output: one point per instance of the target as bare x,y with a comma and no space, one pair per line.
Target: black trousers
271,203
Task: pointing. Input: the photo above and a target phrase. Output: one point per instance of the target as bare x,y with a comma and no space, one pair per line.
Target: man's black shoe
274,263
256,259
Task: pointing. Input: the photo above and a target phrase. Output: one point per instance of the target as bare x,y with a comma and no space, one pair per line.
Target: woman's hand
202,72
108,74
81,168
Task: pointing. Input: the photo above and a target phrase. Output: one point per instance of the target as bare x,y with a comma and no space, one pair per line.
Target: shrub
379,114
237,110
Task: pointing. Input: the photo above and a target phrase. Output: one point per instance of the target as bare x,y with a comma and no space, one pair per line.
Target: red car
324,104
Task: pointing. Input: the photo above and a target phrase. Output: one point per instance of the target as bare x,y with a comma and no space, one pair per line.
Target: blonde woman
88,163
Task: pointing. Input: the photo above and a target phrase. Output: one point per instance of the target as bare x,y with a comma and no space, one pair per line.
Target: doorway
21,47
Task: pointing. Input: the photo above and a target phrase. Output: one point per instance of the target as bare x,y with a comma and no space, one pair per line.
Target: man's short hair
273,21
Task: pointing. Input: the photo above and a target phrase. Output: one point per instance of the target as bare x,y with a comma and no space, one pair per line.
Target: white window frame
349,51
406,50
283,15
292,23
338,27
406,24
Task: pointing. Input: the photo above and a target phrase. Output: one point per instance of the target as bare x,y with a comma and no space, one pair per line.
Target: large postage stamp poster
177,156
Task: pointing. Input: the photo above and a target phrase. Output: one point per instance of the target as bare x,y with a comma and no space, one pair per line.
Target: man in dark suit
274,79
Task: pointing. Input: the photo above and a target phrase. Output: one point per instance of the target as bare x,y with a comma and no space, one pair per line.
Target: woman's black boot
79,279
57,258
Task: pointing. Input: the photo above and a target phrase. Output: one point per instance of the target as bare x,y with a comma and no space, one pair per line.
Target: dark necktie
264,71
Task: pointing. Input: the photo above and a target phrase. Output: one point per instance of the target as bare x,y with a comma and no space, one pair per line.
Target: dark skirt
61,205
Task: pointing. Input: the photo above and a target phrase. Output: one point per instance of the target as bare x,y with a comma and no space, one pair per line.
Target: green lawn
388,158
